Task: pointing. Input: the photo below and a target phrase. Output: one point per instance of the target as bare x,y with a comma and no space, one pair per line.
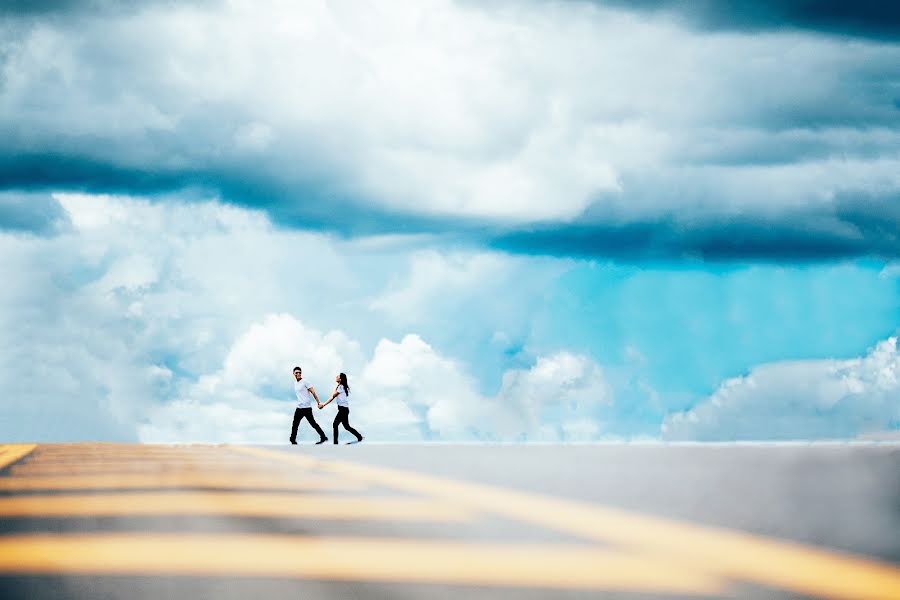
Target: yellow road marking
75,452
726,553
129,450
139,463
10,453
145,467
126,452
126,481
40,453
115,446
128,455
233,504
119,450
350,559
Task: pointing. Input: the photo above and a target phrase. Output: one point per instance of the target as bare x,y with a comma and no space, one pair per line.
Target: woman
342,393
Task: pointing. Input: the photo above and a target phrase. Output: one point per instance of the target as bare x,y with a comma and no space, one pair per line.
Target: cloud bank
175,322
810,399
180,322
558,128
405,391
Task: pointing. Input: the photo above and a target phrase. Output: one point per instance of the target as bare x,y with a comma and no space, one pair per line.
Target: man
304,406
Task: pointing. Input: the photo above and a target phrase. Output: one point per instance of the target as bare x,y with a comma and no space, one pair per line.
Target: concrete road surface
449,521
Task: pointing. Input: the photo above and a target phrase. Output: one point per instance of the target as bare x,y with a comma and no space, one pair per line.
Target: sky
539,221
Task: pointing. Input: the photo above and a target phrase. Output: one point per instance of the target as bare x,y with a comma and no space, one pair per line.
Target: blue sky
528,221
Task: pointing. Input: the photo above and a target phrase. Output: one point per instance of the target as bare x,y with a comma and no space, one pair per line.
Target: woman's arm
329,400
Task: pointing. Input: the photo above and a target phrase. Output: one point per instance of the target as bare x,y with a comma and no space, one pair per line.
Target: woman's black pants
298,416
343,418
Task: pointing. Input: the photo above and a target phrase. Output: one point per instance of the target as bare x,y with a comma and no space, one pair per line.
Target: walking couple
304,407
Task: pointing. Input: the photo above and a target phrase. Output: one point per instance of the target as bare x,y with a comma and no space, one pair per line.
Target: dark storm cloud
310,205
48,170
857,224
877,19
39,8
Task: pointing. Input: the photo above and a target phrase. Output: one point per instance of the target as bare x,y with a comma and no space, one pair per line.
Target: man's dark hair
297,369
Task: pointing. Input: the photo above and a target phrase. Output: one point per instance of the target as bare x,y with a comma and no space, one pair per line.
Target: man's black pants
298,416
343,418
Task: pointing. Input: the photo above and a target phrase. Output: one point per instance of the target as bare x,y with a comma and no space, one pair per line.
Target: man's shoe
322,441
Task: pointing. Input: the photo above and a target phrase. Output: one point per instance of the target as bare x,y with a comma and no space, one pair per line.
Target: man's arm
329,400
313,392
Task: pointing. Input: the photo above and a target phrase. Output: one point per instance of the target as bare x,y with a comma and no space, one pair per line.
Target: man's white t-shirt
304,398
342,399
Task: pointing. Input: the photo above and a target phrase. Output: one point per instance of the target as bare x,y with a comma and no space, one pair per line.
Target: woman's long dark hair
344,383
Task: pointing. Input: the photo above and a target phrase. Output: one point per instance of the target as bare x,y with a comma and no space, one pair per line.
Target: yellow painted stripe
144,463
147,467
129,453
10,453
125,449
722,552
119,447
167,480
349,559
113,454
75,457
116,446
233,504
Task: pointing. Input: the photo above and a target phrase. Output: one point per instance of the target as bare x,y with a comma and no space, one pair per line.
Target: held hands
320,404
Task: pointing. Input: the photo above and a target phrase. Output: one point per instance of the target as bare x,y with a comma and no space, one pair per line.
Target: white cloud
407,391
433,276
409,383
182,322
561,392
111,316
268,350
558,391
254,136
520,113
800,400
890,271
238,403
444,281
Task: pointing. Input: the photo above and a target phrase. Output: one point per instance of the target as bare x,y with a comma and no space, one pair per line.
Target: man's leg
312,421
297,416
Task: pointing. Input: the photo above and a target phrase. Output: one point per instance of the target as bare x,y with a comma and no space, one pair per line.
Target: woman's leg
337,421
347,424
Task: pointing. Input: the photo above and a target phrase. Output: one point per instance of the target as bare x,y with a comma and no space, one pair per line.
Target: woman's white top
342,399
